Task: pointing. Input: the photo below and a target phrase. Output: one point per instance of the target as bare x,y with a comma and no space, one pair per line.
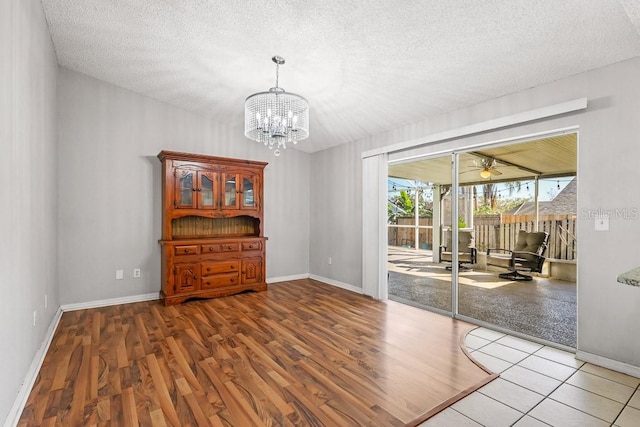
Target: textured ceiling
365,66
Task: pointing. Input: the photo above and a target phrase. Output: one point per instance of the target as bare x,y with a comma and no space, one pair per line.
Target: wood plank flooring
302,353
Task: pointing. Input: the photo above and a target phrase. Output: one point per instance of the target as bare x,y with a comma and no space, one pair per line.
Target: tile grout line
458,412
626,404
523,351
562,382
545,397
512,365
529,354
548,396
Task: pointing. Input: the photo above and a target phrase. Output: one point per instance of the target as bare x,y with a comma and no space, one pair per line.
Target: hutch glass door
207,190
230,191
185,188
248,200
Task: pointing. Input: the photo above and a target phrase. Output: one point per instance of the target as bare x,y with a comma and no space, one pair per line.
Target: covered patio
544,308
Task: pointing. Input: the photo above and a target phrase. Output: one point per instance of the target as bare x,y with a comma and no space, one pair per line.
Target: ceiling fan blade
495,172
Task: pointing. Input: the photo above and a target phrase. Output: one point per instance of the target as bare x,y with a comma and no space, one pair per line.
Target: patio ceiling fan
487,166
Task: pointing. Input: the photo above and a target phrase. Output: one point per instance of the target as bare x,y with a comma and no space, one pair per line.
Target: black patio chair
528,255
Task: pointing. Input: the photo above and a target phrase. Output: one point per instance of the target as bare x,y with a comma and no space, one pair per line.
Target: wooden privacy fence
500,231
561,229
487,231
405,236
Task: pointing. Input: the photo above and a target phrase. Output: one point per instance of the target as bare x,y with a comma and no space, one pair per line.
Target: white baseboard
605,362
111,301
336,283
32,373
287,278
326,280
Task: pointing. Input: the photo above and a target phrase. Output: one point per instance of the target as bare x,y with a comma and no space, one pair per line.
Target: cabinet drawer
214,248
220,280
229,247
210,249
210,268
252,246
186,250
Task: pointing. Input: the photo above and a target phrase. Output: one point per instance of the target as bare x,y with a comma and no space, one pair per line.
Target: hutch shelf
212,217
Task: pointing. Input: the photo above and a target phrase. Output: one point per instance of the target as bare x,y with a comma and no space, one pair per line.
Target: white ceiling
365,66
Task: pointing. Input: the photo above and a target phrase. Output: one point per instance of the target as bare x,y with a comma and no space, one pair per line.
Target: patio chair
528,255
466,249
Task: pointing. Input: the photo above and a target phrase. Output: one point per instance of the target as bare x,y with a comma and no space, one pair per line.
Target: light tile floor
541,386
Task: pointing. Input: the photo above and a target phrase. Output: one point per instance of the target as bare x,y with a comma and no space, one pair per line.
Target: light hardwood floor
301,353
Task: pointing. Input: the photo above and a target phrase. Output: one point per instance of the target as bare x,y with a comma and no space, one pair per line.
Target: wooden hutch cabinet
212,218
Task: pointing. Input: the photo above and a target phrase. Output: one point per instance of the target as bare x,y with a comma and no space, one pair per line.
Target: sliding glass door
419,207
519,203
455,220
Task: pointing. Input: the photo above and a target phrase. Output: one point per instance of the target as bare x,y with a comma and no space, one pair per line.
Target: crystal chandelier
276,118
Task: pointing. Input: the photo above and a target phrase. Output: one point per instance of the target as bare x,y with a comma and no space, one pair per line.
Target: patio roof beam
499,181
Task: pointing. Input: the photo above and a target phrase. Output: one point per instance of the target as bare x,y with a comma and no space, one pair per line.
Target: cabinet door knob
193,189
210,248
195,277
233,266
229,247
208,269
186,251
232,280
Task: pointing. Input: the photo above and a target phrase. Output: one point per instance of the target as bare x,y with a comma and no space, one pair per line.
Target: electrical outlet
119,274
45,301
35,317
329,261
136,273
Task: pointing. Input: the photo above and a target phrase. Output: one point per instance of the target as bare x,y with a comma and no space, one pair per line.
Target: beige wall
608,152
28,167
